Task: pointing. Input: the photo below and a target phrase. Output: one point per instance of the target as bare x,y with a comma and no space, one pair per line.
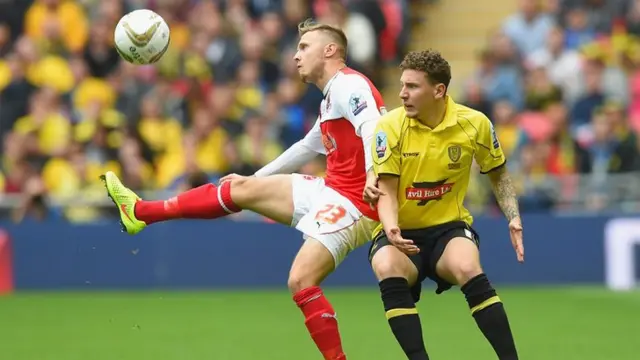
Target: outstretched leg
269,196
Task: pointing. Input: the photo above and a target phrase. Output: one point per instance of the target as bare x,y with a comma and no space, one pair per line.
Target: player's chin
411,111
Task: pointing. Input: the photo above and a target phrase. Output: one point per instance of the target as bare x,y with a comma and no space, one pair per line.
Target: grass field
550,324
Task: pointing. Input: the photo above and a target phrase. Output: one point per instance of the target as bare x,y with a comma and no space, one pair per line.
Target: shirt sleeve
313,139
385,150
488,154
297,155
360,108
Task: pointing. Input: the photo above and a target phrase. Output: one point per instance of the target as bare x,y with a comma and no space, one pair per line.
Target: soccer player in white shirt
330,211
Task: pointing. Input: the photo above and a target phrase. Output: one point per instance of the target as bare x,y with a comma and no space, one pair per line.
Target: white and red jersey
348,115
343,132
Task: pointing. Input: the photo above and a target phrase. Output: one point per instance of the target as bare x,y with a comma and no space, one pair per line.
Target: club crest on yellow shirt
454,151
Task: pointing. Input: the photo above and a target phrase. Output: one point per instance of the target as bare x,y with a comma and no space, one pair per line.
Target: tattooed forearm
505,192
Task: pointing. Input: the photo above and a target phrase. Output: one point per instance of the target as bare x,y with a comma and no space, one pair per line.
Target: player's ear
330,50
439,91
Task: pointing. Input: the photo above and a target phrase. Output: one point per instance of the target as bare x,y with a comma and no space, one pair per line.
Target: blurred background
560,79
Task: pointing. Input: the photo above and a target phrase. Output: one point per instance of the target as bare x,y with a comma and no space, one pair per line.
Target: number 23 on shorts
330,214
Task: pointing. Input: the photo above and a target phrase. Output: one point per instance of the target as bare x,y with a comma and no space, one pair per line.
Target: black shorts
432,242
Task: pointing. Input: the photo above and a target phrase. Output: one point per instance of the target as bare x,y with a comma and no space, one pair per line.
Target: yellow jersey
434,165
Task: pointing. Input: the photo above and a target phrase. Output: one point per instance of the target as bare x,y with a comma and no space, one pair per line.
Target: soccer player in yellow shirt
423,154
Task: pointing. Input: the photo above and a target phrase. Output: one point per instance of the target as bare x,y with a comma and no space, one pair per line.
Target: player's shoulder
350,82
393,121
353,79
394,118
470,116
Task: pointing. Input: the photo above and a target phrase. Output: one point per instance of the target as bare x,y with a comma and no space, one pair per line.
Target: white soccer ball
142,37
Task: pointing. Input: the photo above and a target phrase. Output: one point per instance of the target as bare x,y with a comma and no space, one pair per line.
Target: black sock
490,316
403,317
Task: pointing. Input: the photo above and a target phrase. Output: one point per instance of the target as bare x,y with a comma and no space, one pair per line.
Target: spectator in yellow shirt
45,122
223,102
73,174
212,143
57,24
249,94
162,134
255,146
206,148
506,125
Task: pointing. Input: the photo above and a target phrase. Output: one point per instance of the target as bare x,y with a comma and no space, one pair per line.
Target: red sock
204,202
321,322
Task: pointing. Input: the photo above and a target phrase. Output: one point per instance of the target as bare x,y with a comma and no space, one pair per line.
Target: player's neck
434,117
330,70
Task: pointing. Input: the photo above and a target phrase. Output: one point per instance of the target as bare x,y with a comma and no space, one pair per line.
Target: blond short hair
336,34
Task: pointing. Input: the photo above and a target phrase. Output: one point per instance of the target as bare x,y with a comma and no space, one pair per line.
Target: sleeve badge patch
381,144
496,143
357,104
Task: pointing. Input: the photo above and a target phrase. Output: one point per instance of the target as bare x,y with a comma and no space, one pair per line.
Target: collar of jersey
327,87
450,118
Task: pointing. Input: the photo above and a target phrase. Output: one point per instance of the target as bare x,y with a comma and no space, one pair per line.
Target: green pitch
549,324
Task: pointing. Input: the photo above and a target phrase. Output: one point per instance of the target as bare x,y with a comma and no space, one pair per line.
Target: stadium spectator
563,65
633,18
579,31
68,105
535,188
499,82
505,119
540,91
529,27
593,96
57,26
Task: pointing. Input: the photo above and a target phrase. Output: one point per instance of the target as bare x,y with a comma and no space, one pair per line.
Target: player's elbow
388,184
497,174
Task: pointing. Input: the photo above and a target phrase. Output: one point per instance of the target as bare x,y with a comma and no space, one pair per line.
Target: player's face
310,56
418,94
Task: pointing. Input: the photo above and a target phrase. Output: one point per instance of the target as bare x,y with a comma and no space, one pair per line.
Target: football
142,37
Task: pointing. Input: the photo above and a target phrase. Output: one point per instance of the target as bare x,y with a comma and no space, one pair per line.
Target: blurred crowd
225,97
561,81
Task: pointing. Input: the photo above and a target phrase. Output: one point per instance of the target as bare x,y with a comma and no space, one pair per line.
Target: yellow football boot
125,200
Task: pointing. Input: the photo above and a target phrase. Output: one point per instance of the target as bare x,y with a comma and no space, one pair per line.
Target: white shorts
321,213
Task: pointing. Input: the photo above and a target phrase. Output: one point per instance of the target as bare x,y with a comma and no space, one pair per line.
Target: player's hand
371,192
405,245
231,177
515,231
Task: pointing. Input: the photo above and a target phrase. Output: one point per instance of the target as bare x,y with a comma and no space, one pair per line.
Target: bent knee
311,266
464,271
298,282
389,262
246,190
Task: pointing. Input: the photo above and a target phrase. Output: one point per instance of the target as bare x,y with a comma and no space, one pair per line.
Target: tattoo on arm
505,192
